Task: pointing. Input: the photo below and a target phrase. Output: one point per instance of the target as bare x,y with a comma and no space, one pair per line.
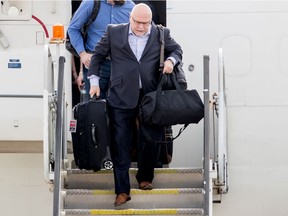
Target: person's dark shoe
145,185
121,199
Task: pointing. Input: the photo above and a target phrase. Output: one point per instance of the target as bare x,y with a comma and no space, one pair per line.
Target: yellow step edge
133,212
155,191
137,192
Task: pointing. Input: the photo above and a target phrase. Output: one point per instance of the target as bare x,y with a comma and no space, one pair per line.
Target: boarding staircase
177,191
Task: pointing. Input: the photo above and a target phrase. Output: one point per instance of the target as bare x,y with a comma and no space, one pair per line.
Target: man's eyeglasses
141,23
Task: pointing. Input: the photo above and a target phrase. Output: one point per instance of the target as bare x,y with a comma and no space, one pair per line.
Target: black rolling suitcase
91,138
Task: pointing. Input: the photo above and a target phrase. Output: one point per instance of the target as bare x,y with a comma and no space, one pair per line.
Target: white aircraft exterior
247,44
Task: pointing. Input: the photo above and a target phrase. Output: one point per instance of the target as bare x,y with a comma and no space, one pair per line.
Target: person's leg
121,122
86,82
148,152
75,73
75,94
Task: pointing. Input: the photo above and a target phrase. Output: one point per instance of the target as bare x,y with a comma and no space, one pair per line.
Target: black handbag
171,107
69,47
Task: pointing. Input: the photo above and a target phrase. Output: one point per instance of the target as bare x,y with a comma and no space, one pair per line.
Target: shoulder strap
93,16
95,11
161,39
149,138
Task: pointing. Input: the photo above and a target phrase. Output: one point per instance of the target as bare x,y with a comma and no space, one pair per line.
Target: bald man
134,51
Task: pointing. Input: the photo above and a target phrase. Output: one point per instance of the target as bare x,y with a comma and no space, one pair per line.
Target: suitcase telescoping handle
94,138
93,129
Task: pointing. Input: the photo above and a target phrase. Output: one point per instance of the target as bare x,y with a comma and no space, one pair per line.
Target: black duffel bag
180,78
171,107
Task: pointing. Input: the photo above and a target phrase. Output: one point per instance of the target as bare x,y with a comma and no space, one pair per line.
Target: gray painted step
138,212
164,178
156,198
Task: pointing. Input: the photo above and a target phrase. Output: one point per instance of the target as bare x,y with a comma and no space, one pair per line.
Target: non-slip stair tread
134,170
163,178
130,211
134,191
156,198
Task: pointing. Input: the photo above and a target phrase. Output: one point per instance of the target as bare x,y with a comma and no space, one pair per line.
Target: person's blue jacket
108,14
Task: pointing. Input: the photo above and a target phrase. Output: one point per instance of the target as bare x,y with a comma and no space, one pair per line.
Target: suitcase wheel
108,164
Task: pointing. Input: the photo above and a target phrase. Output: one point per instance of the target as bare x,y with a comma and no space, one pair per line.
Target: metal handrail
20,96
59,139
49,117
206,158
222,178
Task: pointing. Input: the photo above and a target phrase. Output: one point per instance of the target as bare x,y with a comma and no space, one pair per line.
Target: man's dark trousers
122,122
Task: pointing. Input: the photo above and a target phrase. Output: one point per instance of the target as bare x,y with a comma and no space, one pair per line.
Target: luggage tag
73,122
73,126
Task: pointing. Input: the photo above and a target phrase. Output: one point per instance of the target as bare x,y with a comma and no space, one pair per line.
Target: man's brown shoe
121,199
145,185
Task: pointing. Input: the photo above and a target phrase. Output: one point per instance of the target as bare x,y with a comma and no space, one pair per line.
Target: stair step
162,212
164,178
149,199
